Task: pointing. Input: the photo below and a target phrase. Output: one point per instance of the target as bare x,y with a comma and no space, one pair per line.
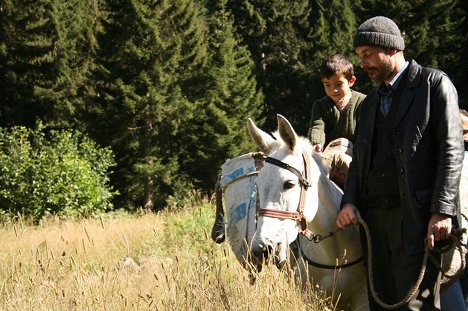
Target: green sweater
327,122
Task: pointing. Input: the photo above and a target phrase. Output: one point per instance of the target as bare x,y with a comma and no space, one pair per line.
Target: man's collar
393,84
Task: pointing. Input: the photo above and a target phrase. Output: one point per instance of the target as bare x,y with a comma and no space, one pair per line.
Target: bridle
305,184
299,214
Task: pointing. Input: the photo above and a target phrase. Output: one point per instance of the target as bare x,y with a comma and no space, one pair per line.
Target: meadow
159,261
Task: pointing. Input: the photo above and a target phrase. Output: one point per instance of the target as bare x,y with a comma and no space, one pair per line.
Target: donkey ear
263,140
286,131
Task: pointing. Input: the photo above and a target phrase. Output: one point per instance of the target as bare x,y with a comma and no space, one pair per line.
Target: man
403,180
464,118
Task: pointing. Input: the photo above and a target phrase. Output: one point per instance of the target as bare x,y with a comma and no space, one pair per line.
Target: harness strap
268,212
324,266
304,182
302,198
299,214
332,267
302,179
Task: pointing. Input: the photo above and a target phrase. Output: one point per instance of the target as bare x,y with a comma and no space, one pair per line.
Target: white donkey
298,203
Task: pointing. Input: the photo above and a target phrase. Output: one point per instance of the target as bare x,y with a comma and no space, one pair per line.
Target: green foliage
276,35
168,85
46,51
461,63
218,130
189,226
61,173
152,55
433,31
333,25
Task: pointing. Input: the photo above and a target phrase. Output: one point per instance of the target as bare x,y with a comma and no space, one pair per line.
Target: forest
160,90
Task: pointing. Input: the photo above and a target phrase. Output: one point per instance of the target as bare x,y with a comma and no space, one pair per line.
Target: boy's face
337,86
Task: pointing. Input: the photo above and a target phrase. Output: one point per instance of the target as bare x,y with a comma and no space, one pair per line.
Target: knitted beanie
379,31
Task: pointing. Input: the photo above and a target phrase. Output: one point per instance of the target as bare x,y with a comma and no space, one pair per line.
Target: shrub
58,173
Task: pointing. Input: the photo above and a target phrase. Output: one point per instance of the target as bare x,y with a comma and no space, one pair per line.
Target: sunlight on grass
163,261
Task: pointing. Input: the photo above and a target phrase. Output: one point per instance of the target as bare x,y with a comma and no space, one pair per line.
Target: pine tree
461,62
218,130
275,33
45,56
152,53
332,29
432,30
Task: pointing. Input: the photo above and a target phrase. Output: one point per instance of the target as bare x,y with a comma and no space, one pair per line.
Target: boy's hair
336,64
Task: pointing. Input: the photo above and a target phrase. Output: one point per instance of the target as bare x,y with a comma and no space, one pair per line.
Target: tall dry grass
163,261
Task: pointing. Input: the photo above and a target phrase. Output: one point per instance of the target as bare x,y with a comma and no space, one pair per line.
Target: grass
163,261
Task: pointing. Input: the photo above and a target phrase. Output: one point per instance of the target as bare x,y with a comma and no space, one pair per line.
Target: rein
324,266
317,238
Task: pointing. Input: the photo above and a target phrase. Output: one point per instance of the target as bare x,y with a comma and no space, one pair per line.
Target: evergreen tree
218,130
433,31
275,33
431,34
45,55
461,61
151,56
332,30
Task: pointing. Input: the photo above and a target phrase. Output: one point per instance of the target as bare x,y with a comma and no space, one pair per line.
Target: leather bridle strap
279,214
304,182
302,179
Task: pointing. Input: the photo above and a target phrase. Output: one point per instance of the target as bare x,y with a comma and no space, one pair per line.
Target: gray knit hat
379,31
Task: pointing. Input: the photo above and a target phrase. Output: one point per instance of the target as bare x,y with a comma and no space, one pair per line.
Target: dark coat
428,148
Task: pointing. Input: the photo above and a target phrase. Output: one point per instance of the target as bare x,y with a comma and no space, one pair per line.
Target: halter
304,182
299,215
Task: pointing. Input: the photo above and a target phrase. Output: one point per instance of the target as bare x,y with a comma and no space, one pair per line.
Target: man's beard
385,70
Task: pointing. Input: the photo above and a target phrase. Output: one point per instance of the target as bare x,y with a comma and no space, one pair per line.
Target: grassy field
163,261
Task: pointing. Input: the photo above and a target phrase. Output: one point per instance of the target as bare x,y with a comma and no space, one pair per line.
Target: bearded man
405,172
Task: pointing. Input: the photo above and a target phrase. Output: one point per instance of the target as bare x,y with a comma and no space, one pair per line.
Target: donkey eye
288,185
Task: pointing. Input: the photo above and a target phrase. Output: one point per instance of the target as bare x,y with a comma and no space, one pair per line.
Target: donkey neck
329,197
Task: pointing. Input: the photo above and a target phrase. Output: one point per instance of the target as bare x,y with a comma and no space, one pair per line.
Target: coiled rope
415,287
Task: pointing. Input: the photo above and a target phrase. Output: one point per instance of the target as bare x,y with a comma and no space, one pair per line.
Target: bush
58,173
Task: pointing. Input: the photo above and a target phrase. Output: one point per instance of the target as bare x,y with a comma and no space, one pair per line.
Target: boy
336,114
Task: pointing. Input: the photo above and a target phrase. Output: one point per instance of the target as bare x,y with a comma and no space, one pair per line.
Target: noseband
299,215
305,184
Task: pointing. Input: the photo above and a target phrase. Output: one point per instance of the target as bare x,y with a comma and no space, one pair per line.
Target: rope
414,289
455,239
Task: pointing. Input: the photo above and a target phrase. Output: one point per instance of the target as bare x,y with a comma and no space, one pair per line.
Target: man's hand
439,228
348,216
